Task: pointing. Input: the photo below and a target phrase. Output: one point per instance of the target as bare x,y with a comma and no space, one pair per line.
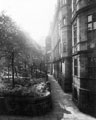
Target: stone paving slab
63,107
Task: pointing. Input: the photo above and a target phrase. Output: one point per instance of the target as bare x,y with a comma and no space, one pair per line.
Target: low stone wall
87,102
17,105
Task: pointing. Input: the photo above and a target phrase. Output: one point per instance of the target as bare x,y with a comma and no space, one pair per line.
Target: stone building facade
84,54
61,44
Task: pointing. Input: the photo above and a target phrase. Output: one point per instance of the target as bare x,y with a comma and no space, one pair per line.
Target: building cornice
62,58
83,52
84,9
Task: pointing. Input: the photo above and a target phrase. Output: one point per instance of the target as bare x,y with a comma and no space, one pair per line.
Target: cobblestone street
63,107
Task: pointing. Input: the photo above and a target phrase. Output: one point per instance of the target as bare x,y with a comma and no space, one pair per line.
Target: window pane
90,35
75,71
64,47
75,67
90,18
92,67
75,33
75,62
94,17
90,26
94,25
64,21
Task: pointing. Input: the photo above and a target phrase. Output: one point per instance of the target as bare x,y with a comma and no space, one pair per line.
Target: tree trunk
8,72
13,83
31,71
25,75
16,71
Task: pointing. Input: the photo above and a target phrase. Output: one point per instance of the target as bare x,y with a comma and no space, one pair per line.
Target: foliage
16,48
34,90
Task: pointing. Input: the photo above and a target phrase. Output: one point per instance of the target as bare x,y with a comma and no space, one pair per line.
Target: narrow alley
63,107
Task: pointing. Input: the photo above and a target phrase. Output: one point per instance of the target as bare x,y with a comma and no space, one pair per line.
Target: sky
33,16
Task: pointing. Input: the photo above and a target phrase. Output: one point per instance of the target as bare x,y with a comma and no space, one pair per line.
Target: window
92,22
89,22
94,25
64,47
92,67
90,18
64,21
90,26
76,67
75,32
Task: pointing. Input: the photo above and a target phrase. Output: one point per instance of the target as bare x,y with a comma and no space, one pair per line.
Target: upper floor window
76,67
91,67
92,22
64,47
64,21
75,32
90,18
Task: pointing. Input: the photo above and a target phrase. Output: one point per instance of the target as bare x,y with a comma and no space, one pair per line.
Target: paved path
66,110
63,107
